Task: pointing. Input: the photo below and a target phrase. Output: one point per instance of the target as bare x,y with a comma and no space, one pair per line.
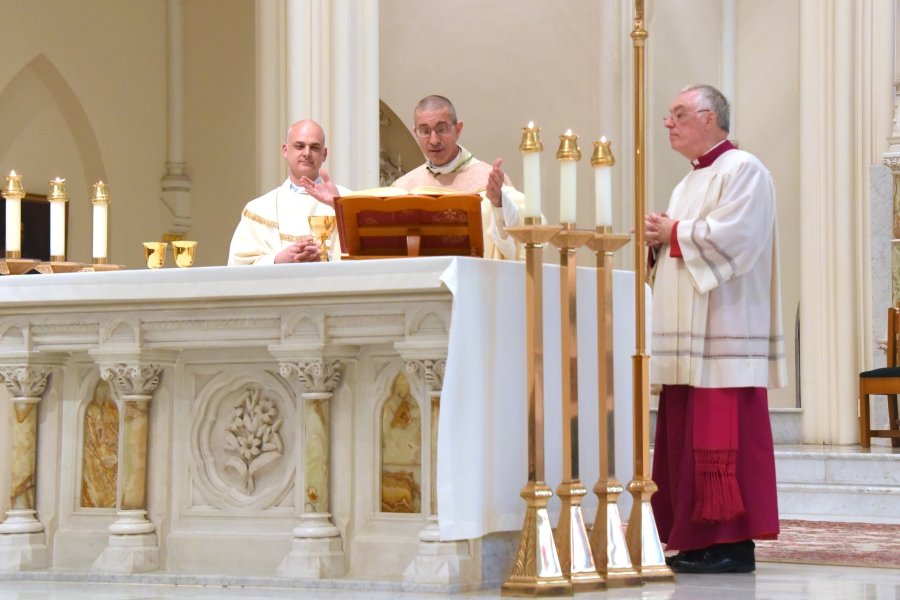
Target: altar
279,421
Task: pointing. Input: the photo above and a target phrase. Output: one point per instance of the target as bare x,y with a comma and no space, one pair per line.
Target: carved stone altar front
217,432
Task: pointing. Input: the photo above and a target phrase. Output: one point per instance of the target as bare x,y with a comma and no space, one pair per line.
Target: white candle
100,218
603,161
567,155
100,201
13,224
58,199
531,147
13,194
532,184
57,229
567,183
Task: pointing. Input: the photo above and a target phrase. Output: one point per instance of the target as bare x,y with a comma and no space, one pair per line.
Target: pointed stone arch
36,87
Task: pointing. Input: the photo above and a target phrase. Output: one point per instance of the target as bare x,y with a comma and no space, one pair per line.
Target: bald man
451,166
274,228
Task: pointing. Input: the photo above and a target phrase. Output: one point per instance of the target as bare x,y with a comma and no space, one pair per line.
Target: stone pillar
436,561
133,545
22,539
846,50
318,549
331,76
175,212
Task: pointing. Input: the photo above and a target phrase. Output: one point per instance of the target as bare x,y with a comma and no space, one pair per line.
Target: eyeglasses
680,116
424,131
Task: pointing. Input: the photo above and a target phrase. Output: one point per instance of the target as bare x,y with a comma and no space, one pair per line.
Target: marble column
436,561
22,539
317,551
133,545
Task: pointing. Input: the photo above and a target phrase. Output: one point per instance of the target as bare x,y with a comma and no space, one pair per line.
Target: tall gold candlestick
58,198
13,192
607,536
536,571
572,542
642,536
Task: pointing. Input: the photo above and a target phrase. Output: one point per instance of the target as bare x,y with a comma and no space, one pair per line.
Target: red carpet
826,543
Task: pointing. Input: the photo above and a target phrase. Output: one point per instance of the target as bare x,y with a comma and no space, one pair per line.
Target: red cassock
714,465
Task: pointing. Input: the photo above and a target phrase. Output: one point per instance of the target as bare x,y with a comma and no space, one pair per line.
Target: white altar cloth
482,450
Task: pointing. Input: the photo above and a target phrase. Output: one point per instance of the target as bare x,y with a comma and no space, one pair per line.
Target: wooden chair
884,381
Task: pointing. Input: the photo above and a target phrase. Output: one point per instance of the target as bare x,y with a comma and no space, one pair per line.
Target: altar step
838,483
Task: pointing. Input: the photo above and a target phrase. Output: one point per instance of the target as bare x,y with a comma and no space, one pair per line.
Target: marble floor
772,581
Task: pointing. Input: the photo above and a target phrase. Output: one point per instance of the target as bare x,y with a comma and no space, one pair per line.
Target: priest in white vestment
274,228
717,345
450,166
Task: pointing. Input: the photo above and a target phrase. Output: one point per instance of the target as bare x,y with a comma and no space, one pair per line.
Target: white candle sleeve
532,184
603,184
13,224
567,184
100,225
57,228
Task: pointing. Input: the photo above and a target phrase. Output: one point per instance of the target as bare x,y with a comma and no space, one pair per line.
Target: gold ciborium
322,228
184,253
155,254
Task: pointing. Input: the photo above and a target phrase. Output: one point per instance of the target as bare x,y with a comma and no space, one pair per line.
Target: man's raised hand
495,181
324,192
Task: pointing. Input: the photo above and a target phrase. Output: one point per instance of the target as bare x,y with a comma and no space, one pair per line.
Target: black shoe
710,561
683,555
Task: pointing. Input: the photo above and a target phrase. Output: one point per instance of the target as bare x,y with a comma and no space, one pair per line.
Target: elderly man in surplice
717,345
274,228
448,165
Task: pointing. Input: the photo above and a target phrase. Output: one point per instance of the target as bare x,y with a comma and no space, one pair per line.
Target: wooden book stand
411,225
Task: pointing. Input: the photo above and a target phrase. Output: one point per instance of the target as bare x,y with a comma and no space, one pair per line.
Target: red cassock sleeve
674,248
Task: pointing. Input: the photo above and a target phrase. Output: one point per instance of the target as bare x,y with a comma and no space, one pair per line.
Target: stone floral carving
253,436
25,382
133,380
432,370
319,376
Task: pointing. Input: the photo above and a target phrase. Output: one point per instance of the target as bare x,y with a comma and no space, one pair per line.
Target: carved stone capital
25,381
892,162
132,380
315,376
431,370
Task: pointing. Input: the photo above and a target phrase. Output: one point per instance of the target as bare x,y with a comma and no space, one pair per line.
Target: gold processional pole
607,537
642,536
536,571
572,542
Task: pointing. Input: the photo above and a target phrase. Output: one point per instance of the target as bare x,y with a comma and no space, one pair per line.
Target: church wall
502,64
220,120
105,58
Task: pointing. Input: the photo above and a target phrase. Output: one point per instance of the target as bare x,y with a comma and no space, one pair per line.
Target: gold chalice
322,228
155,254
184,253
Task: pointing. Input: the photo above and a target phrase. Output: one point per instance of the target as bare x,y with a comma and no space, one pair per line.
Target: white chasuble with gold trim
273,222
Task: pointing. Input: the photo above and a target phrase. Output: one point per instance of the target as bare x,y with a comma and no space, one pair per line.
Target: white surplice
717,311
468,175
274,221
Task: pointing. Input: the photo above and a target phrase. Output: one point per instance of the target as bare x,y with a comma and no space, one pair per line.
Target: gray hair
712,100
435,102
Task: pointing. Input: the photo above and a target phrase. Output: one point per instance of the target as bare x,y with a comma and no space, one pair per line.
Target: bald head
436,103
305,150
307,125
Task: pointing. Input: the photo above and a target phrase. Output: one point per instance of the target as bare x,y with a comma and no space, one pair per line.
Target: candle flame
530,124
568,132
12,173
603,139
58,180
101,183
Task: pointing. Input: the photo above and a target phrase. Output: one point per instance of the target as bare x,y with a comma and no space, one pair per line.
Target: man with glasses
274,228
717,345
448,165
